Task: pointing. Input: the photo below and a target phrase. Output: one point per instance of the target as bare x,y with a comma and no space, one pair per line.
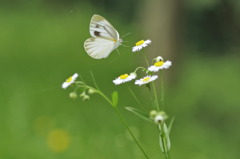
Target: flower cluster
156,66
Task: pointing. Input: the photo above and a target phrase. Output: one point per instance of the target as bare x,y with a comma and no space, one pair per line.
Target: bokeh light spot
58,140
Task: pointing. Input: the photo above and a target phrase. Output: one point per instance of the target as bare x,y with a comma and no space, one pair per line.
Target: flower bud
84,96
153,113
158,119
159,58
91,91
73,95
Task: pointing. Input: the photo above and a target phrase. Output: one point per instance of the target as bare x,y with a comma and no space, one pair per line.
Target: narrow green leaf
115,98
170,125
161,142
167,138
139,113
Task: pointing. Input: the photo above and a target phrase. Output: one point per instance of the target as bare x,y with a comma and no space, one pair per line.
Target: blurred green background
41,44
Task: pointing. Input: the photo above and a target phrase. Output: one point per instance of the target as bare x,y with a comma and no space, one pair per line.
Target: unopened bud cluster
158,117
85,95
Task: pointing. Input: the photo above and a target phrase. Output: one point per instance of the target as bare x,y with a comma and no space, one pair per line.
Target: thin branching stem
94,81
135,97
130,132
151,96
122,119
105,97
146,60
162,89
155,96
140,67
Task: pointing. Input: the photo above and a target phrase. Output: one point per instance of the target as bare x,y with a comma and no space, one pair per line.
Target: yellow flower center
123,76
159,63
140,42
69,79
146,79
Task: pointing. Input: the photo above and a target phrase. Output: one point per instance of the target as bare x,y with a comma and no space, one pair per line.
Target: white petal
65,85
136,48
154,77
117,81
148,41
139,82
129,78
167,64
74,76
153,68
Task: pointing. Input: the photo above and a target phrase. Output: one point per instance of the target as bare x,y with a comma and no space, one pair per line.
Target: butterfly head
118,42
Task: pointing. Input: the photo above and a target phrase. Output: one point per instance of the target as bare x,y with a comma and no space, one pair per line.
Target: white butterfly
104,40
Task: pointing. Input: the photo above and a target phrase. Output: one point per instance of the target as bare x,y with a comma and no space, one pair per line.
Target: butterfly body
104,40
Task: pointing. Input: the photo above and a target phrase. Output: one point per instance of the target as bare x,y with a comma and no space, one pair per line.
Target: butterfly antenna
125,45
125,41
126,35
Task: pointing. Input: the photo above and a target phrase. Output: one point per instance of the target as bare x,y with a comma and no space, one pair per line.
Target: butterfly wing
104,40
100,27
99,48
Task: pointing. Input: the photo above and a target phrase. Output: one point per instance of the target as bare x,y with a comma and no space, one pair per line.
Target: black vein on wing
109,32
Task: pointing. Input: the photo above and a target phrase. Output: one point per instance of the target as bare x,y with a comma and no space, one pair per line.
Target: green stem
146,60
135,97
94,81
123,121
163,138
130,132
83,85
155,96
105,97
140,67
151,96
162,89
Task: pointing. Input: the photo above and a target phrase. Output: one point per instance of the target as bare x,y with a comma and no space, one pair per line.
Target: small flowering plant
147,78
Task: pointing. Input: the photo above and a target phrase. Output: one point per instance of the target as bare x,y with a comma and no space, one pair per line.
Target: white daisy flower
146,80
159,64
124,78
141,44
69,81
